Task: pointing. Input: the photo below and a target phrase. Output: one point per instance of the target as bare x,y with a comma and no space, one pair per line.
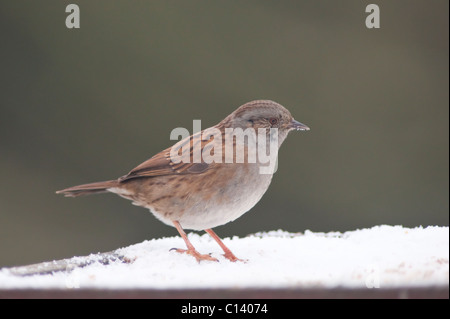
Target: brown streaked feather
161,164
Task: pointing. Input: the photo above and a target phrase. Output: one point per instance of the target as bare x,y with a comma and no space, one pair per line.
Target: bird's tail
88,189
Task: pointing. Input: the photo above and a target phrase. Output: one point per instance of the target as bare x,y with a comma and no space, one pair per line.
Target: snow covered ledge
379,257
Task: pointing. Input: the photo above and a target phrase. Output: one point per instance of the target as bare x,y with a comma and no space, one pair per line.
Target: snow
382,256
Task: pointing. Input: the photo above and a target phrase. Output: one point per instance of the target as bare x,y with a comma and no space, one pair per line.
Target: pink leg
191,250
228,254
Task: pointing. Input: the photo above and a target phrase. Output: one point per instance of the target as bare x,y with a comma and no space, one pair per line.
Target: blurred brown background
89,104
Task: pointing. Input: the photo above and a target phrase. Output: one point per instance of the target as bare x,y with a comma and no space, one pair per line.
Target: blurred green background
89,104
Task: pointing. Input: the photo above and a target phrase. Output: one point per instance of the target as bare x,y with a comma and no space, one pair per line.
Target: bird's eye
273,121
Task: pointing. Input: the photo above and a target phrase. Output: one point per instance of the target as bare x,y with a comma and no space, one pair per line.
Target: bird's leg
228,254
190,248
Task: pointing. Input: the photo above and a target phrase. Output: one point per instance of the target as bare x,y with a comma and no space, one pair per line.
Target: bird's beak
299,126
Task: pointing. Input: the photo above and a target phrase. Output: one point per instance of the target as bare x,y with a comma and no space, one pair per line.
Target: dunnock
201,195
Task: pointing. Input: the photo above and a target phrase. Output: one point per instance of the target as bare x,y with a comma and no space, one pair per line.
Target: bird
186,192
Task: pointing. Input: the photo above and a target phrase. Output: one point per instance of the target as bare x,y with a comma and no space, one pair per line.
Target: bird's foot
199,257
231,257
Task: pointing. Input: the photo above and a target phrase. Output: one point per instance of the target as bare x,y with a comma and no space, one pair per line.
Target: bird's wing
162,163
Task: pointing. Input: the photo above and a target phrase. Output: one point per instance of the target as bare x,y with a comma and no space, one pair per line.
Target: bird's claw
199,257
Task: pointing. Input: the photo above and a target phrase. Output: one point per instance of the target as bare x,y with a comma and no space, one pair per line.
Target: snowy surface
382,256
